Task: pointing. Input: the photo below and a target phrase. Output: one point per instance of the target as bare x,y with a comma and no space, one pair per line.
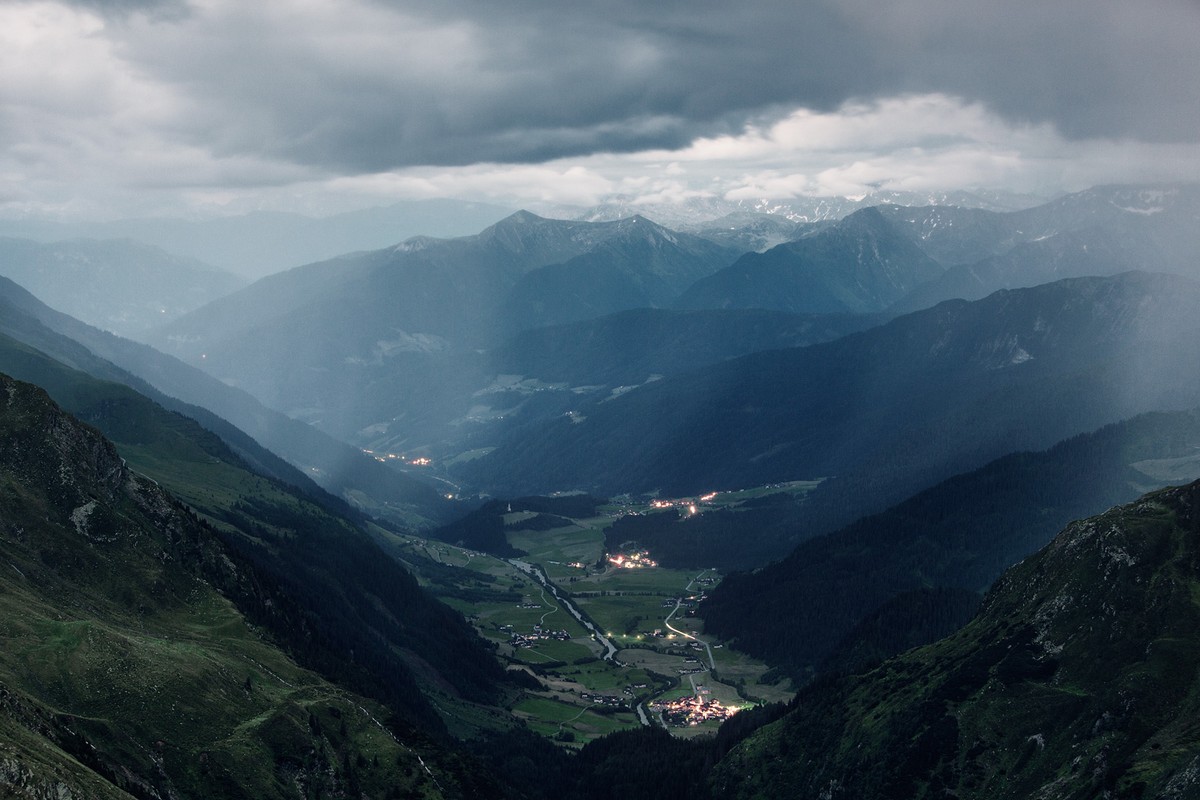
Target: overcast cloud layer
126,106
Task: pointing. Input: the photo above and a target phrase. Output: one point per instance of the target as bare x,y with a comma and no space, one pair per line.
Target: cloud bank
211,99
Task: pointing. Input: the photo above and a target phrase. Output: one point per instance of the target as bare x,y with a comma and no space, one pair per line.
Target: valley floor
612,638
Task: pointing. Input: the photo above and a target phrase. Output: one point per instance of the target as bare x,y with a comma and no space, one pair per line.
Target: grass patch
564,545
553,650
655,580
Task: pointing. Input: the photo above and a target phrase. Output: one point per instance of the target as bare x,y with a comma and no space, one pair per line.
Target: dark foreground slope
135,658
1079,678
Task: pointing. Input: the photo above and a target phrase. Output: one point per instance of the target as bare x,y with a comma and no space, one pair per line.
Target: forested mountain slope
961,533
341,469
889,410
1078,679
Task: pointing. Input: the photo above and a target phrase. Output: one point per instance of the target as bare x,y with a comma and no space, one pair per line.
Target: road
678,604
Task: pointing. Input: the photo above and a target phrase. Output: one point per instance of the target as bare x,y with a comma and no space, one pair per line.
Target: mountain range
202,594
859,265
372,339
707,213
415,350
896,407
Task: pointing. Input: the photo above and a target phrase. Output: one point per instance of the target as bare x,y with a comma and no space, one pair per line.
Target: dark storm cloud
377,84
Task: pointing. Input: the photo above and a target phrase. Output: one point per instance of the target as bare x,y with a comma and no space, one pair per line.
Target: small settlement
638,559
692,710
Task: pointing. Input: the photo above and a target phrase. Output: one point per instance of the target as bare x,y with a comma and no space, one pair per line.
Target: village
691,711
638,559
538,635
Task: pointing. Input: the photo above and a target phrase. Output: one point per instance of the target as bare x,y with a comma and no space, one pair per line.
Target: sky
207,107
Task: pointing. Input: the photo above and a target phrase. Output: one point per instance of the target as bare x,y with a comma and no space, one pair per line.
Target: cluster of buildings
531,639
638,559
692,710
691,505
604,699
385,457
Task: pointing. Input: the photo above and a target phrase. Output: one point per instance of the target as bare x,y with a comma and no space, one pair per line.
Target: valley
697,400
612,636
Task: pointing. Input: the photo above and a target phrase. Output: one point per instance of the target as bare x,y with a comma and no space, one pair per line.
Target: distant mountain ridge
648,267
1102,232
261,243
340,468
369,339
908,403
117,285
696,214
963,235
454,289
859,265
907,258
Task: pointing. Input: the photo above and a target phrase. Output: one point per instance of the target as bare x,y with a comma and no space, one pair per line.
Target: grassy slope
122,662
351,596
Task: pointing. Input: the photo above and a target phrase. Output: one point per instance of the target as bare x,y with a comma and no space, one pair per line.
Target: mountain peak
521,217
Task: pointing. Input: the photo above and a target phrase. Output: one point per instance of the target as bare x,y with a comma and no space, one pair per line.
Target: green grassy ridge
121,660
1077,679
344,591
125,416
